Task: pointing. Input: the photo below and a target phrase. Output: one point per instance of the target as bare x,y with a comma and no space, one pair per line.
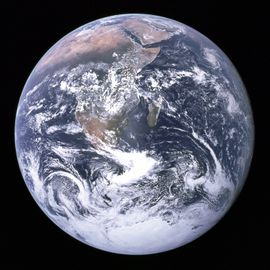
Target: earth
134,134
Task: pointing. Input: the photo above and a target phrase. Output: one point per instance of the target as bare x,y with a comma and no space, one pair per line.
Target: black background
240,239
